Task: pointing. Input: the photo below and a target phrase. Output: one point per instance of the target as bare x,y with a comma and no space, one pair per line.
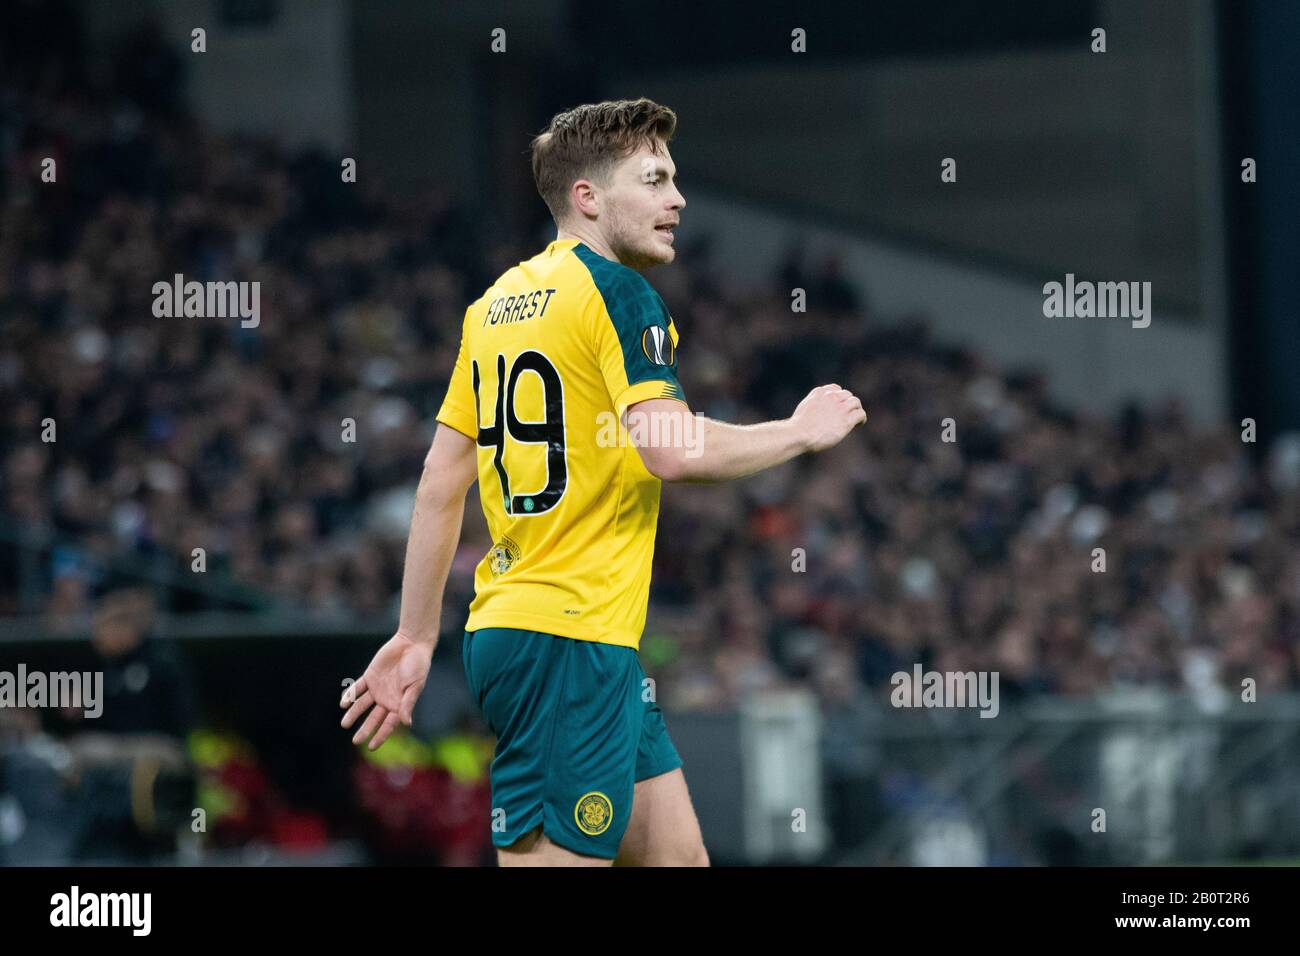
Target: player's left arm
700,449
637,348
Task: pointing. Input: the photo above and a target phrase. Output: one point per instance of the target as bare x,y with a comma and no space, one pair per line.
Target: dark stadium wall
1261,55
278,69
1068,160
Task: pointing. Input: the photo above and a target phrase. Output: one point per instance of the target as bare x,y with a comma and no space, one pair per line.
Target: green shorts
574,730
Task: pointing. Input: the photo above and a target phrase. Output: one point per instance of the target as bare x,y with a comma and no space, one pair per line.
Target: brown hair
586,142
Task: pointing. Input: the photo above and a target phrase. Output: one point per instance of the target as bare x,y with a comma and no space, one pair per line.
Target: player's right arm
450,467
723,451
392,683
386,693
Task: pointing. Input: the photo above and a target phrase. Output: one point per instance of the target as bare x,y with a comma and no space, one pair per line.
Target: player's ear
583,195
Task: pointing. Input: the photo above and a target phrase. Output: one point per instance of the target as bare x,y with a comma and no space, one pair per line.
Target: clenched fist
826,415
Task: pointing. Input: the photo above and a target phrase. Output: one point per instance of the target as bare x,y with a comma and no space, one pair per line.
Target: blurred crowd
1072,554
289,452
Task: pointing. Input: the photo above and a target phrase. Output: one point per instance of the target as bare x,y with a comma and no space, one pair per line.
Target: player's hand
826,415
388,689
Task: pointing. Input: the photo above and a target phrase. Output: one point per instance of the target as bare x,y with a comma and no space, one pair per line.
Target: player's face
642,207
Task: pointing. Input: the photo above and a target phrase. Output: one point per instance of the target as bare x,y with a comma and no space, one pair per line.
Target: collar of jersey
563,244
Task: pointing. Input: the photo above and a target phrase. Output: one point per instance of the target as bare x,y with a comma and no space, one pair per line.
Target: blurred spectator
116,786
147,688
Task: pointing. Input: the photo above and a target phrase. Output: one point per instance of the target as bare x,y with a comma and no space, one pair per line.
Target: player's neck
592,242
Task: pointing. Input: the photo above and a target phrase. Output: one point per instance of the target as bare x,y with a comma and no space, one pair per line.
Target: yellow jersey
549,358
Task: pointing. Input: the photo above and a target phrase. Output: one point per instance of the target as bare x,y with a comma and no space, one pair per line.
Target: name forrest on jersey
506,309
